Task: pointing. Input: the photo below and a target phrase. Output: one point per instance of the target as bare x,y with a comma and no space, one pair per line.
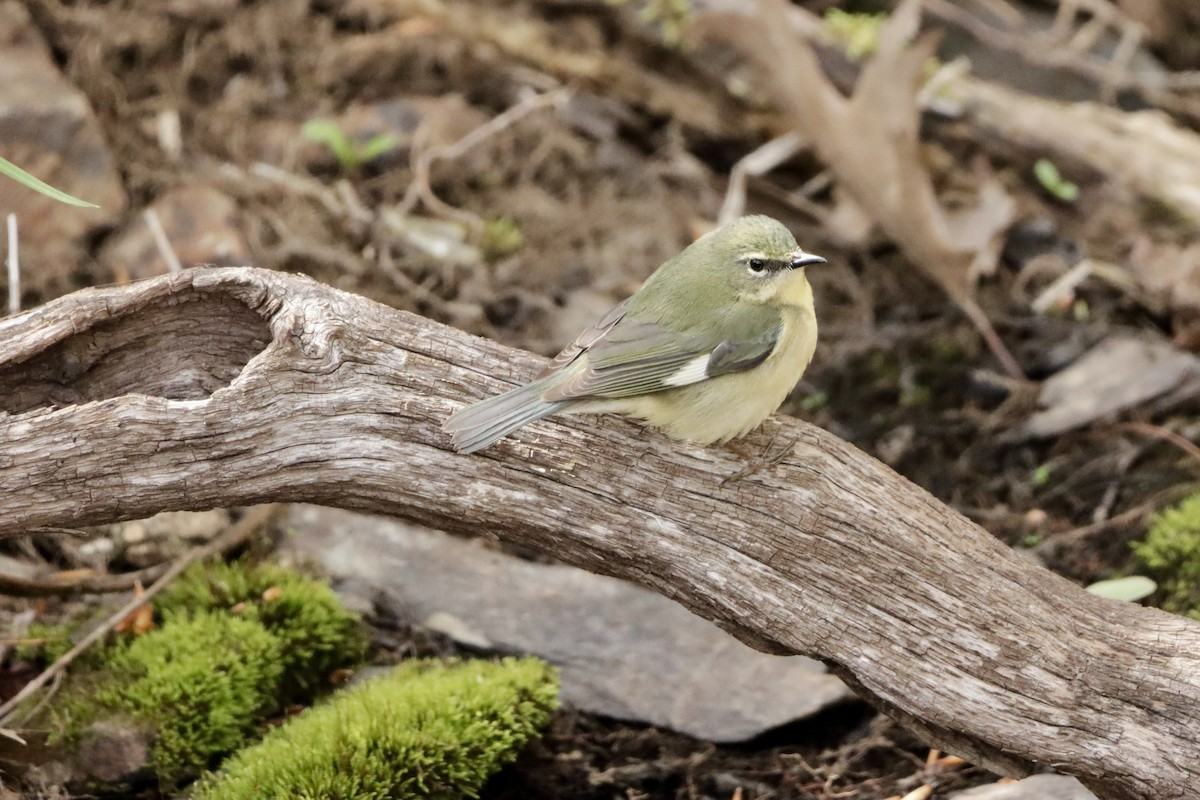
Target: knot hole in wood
182,347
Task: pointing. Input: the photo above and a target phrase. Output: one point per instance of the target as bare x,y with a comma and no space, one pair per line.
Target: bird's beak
803,259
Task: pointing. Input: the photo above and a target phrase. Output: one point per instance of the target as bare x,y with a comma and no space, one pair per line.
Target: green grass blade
21,176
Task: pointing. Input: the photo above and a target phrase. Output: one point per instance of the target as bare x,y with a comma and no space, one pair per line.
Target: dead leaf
1120,373
340,676
141,619
74,575
1170,275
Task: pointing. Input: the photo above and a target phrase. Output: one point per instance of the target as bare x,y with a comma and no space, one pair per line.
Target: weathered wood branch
237,386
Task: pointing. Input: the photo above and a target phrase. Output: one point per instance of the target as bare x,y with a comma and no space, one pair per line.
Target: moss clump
45,643
202,684
317,634
236,642
424,730
1171,555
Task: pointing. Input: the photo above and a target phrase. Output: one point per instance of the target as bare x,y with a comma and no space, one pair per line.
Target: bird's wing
589,337
623,356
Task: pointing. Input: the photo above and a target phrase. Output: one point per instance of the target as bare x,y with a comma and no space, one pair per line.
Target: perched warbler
707,349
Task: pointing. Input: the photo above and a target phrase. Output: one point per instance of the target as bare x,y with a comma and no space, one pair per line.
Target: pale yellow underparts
729,406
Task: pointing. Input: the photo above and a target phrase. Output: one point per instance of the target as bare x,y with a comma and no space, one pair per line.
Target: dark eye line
761,264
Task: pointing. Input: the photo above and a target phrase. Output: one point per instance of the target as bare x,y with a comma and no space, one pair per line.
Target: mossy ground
235,643
424,730
1170,554
316,633
203,684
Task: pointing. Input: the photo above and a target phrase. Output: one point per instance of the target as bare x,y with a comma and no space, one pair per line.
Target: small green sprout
916,395
671,17
1053,181
1032,540
1041,475
814,401
501,237
25,179
351,155
857,34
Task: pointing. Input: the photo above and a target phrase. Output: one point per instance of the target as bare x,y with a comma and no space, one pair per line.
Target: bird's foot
757,459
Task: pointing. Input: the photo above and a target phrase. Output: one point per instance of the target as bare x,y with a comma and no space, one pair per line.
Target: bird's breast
728,406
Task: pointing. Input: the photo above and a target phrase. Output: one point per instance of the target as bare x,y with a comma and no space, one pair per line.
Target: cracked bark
238,386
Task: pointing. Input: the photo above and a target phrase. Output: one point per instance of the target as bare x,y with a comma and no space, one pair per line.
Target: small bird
706,350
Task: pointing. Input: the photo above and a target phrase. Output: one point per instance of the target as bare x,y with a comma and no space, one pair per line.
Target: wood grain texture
238,386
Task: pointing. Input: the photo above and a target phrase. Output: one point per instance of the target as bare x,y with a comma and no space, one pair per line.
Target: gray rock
114,752
1039,787
623,651
202,225
1122,372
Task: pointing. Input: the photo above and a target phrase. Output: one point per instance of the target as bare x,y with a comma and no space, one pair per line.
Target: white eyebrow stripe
750,256
693,371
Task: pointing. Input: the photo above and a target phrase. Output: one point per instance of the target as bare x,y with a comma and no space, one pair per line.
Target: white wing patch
693,371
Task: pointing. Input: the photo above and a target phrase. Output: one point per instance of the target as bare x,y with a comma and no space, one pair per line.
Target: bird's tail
476,426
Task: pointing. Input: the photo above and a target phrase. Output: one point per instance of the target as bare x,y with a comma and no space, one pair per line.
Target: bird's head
757,258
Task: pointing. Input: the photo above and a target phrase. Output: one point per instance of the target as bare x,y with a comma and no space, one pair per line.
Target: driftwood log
237,386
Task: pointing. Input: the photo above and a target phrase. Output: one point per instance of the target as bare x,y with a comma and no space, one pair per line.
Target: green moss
424,730
317,635
44,643
236,642
202,684
1171,555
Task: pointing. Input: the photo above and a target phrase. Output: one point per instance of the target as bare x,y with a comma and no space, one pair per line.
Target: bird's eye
757,265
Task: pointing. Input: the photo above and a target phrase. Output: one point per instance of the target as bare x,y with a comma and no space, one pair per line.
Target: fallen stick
213,388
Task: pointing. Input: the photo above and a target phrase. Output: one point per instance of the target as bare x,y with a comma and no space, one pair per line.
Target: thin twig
169,131
306,187
1128,519
506,119
423,158
161,241
13,586
1063,287
239,531
37,708
991,338
14,268
759,161
1164,434
17,629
